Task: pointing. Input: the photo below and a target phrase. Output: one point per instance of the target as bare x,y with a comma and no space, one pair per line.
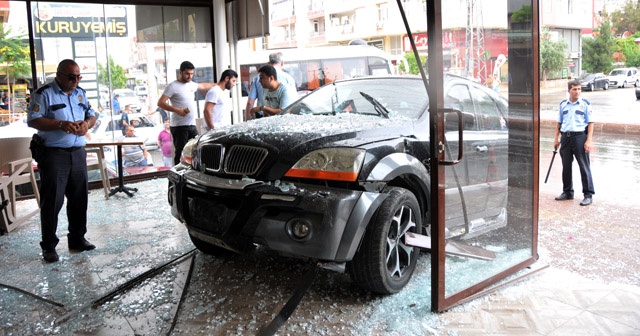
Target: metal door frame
436,103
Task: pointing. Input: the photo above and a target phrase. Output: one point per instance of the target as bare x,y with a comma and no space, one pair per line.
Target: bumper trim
198,178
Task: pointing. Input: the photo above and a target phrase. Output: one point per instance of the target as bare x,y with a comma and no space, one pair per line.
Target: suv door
478,186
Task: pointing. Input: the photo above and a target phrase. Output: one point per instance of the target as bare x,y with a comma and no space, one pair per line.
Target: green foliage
15,53
626,18
523,15
118,78
413,63
630,50
597,51
552,55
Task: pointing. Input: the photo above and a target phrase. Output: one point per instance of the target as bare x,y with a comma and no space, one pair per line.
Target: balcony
314,14
283,21
319,38
282,44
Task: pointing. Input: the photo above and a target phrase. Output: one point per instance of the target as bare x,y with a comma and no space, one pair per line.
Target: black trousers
572,145
180,136
63,173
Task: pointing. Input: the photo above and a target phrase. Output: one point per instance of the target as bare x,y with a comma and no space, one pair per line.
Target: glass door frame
436,103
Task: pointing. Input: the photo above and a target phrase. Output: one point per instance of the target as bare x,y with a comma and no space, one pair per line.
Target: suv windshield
371,96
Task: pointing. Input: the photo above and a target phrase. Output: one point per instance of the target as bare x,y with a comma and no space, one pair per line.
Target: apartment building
310,23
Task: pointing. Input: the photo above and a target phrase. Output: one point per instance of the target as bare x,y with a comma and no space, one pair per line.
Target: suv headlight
338,164
189,150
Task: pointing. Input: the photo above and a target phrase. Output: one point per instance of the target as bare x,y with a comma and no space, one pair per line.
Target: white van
621,77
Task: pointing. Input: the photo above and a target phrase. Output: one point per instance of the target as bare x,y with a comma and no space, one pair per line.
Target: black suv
342,175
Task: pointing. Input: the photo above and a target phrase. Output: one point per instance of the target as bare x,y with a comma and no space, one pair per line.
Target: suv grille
244,160
211,157
240,160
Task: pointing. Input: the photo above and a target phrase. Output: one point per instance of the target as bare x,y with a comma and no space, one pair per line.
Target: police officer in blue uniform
576,127
62,115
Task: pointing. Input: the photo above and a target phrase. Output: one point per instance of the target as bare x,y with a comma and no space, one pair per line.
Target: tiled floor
240,294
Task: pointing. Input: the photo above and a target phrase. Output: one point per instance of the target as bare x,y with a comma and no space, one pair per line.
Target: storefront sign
420,39
78,20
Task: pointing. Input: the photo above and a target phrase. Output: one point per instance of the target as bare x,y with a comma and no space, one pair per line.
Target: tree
412,63
597,51
14,53
552,55
628,47
118,78
626,19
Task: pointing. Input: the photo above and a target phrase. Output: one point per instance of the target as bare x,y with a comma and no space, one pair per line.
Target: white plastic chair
16,168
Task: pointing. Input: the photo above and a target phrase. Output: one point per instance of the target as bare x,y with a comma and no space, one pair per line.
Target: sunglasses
73,77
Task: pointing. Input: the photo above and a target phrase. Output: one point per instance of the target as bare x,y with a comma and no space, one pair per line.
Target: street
616,105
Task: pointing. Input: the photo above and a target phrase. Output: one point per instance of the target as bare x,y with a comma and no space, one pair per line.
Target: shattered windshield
393,98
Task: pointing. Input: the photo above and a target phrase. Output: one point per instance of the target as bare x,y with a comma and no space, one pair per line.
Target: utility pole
475,58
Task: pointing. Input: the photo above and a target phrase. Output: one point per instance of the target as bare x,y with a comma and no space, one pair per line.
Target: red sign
571,64
420,39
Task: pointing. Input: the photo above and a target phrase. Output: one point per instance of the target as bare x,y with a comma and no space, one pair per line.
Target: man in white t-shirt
218,101
276,96
181,95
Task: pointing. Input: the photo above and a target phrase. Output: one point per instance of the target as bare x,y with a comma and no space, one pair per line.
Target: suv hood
287,132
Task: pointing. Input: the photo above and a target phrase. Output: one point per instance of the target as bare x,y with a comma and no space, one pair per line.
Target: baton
555,151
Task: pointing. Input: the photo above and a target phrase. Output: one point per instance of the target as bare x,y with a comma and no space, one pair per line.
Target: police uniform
574,118
63,167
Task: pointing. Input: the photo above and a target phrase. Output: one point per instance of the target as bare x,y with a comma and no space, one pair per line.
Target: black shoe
82,245
586,201
50,255
564,197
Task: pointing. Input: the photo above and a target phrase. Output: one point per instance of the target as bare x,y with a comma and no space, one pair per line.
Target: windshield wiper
377,105
335,95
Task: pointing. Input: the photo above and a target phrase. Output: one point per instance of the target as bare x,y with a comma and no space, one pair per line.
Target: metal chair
16,168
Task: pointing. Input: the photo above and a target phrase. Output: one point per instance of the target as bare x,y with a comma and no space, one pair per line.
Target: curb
601,128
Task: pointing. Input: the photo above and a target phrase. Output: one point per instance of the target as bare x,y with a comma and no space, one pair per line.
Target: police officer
576,127
62,115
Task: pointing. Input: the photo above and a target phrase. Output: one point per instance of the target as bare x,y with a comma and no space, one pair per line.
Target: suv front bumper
235,213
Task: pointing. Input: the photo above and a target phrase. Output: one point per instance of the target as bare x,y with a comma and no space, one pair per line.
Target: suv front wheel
384,264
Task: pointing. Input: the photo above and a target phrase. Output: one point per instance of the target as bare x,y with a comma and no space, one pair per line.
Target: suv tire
383,263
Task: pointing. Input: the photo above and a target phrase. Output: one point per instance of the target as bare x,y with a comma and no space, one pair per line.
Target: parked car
128,97
591,82
141,91
343,175
621,77
107,127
